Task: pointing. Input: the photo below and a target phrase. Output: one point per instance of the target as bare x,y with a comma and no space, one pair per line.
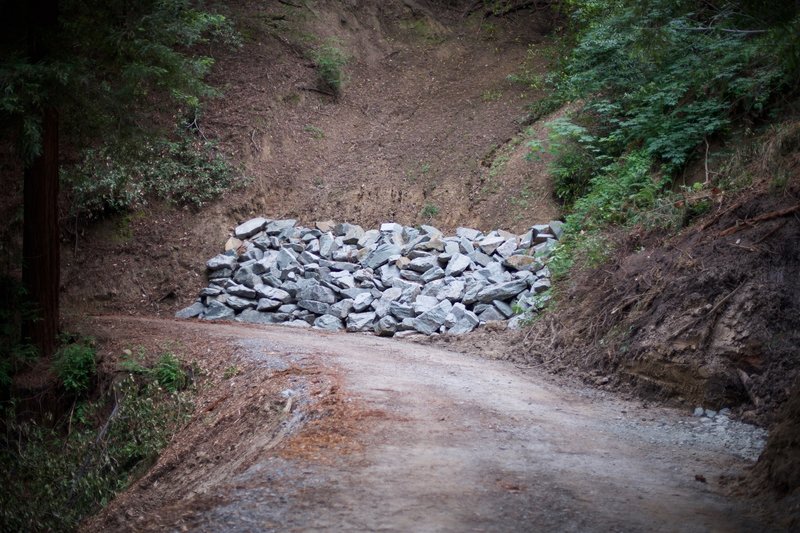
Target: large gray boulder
328,322
218,311
240,304
386,326
502,291
457,264
465,324
317,293
196,309
381,255
251,227
273,293
318,308
488,245
430,321
277,227
360,321
424,263
221,261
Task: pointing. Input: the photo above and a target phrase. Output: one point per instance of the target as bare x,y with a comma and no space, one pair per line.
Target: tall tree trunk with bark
40,249
41,266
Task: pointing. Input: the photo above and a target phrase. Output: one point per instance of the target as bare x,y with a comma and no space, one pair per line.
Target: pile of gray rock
396,280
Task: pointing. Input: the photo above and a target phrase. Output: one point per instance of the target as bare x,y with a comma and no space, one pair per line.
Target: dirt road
439,441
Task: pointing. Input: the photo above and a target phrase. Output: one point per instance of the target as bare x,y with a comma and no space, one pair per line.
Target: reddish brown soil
427,118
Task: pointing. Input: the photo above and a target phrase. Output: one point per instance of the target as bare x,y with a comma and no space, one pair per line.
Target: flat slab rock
395,280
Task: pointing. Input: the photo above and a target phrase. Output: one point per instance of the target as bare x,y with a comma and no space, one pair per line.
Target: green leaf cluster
184,172
54,473
75,365
665,75
104,64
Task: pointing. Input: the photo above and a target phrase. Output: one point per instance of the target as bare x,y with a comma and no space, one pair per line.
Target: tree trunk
41,266
40,249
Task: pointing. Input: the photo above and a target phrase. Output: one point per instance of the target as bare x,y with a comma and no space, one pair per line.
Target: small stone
698,411
424,303
251,227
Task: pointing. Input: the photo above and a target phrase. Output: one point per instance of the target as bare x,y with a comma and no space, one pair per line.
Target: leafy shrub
75,366
52,481
429,211
330,60
665,75
57,472
183,172
169,373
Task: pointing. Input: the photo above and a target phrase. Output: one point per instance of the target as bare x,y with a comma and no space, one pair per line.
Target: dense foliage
106,63
55,472
656,81
665,76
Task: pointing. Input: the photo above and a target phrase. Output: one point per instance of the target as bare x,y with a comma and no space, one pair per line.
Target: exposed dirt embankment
423,131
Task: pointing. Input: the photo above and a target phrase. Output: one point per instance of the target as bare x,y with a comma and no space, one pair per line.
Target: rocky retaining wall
397,280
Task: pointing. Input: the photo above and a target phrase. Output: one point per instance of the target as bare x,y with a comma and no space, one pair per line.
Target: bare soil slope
423,131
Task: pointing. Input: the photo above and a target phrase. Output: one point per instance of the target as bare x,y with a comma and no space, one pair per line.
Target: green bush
429,211
186,172
169,373
52,478
655,80
330,60
57,472
665,75
75,366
